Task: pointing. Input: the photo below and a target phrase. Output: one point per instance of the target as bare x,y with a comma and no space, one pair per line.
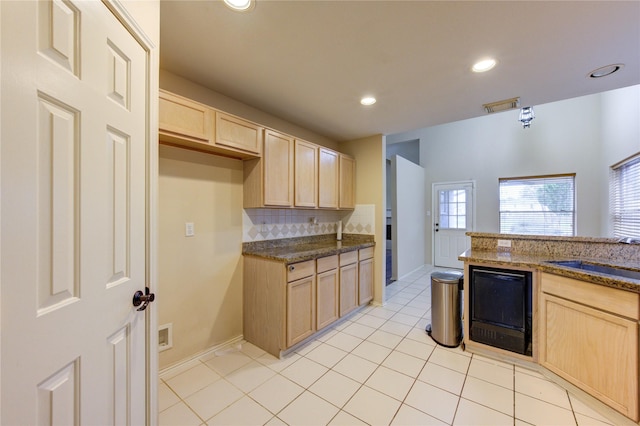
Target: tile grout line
409,297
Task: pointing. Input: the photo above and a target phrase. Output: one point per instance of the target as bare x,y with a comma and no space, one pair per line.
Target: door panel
75,111
453,218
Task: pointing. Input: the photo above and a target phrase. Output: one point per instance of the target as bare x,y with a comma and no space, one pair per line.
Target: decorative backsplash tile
361,220
271,224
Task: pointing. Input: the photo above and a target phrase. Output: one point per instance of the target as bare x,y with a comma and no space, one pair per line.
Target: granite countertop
293,250
542,263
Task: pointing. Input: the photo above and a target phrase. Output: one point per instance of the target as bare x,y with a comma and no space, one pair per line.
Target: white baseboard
190,362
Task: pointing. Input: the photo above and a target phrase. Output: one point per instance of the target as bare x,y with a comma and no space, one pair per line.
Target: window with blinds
540,205
624,197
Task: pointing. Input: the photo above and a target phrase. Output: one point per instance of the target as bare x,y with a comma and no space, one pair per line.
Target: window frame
570,177
624,211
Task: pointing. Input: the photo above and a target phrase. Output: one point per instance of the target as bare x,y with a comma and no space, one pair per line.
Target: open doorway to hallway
403,191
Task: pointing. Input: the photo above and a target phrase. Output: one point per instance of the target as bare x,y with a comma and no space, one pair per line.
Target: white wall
620,136
409,150
200,277
409,216
583,135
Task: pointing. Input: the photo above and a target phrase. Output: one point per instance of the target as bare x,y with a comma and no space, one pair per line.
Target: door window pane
453,209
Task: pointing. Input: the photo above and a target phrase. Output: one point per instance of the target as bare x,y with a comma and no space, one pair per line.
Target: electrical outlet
189,230
504,243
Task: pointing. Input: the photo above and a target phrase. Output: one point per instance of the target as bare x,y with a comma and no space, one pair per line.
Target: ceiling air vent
505,105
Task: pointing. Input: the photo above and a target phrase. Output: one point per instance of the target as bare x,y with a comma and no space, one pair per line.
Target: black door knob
143,299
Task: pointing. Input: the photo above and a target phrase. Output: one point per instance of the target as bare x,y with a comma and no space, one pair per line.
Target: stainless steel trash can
446,314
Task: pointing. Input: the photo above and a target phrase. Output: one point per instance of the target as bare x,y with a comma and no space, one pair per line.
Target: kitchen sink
602,269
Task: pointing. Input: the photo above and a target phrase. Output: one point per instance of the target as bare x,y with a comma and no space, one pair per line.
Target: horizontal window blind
624,183
541,205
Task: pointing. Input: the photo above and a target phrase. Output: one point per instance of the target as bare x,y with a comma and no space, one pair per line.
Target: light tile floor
377,368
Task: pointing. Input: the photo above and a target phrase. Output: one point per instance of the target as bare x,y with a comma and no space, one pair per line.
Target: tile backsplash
271,224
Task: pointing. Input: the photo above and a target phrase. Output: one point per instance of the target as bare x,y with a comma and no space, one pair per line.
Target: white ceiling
310,62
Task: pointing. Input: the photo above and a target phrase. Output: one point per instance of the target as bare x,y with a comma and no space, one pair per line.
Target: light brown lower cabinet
301,309
348,282
365,275
589,337
327,291
286,304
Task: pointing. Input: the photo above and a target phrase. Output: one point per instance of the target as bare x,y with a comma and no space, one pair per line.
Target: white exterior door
74,121
453,217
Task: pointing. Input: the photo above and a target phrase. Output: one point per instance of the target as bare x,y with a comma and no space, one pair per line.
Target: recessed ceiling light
484,65
605,71
368,100
240,5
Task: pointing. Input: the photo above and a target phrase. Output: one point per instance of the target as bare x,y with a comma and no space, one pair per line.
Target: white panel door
453,217
73,161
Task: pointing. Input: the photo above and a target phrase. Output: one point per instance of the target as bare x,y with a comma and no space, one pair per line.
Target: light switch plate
189,230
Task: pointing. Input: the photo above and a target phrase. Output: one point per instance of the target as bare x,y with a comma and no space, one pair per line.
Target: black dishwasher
500,308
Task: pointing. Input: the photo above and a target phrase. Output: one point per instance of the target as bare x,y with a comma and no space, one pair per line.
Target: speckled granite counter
537,251
293,250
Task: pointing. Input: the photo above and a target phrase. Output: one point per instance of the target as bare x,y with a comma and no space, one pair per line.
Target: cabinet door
306,174
327,298
238,134
594,350
365,281
347,182
348,288
278,169
180,119
328,179
301,309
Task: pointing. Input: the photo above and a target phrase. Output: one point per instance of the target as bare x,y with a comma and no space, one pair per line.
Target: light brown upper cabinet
237,134
306,174
182,120
192,125
347,182
278,169
328,179
268,181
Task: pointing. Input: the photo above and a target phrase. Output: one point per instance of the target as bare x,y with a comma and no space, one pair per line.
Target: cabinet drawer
365,253
300,270
327,263
608,299
348,258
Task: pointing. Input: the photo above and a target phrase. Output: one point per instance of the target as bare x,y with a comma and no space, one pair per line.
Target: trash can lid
449,277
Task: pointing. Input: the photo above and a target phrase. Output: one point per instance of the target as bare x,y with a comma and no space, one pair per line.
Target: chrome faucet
629,240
